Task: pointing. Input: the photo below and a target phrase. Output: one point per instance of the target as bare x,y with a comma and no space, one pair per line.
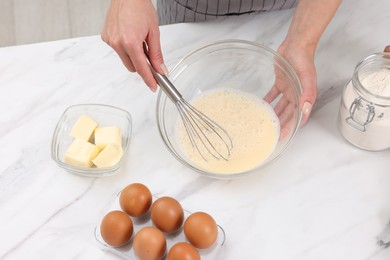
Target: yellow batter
250,122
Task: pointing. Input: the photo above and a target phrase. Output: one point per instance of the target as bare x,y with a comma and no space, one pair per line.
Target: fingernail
153,89
306,108
164,69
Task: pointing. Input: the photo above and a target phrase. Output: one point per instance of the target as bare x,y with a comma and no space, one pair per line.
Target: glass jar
364,115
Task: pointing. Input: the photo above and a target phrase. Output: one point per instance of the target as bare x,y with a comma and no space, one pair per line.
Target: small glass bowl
106,116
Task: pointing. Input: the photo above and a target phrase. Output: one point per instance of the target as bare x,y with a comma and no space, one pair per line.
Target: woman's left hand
301,58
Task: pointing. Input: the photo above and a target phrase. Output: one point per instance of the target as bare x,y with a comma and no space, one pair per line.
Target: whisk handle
163,81
166,85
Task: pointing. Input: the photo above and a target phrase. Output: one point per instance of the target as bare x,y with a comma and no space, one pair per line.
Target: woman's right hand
130,23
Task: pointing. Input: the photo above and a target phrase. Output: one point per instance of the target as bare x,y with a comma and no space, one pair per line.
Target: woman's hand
301,58
308,24
130,23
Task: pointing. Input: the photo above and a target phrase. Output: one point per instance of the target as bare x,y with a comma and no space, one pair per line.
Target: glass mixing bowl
242,65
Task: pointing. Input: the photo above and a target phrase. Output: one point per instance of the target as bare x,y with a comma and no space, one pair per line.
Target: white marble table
324,198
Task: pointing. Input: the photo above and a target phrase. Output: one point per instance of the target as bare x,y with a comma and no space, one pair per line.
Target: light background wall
31,21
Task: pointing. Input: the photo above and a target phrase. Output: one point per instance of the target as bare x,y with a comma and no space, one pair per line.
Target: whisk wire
202,131
189,130
200,140
205,129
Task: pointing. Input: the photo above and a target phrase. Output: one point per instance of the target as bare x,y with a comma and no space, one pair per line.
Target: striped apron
180,11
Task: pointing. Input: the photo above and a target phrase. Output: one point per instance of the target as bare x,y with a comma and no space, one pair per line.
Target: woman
131,22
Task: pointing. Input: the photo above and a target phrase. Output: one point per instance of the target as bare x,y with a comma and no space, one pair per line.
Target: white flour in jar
376,136
378,82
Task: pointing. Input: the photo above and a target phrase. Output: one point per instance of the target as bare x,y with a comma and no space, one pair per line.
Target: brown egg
201,230
135,199
183,251
116,228
167,214
149,244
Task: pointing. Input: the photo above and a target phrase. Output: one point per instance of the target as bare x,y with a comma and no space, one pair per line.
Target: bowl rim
161,95
90,172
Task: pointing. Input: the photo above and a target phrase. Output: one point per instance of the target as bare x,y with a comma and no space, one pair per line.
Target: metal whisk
205,135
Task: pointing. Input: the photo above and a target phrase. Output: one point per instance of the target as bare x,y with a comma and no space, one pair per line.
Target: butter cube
80,153
83,128
109,156
108,135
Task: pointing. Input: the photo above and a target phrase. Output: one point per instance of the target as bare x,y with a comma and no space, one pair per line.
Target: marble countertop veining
323,199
